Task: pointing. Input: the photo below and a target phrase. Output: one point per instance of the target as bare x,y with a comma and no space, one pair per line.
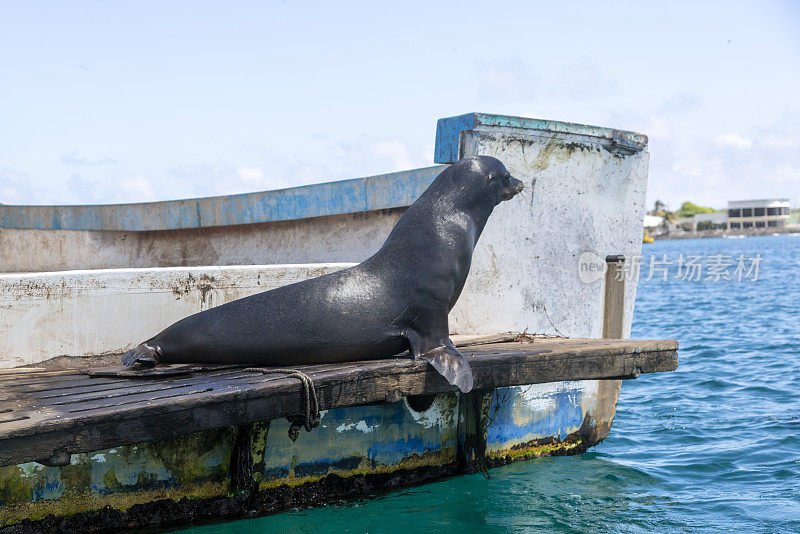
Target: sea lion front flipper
451,364
439,351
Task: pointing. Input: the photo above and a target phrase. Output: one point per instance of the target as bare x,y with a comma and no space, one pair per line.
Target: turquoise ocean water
714,446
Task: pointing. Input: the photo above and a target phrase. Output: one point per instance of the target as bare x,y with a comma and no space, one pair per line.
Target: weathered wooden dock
46,415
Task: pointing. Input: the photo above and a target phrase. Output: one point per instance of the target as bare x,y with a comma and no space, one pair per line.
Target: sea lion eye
506,177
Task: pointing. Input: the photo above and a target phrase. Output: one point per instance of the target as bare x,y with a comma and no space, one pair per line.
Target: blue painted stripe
565,416
449,129
394,190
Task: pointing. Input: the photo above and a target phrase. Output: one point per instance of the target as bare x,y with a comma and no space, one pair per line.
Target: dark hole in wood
420,403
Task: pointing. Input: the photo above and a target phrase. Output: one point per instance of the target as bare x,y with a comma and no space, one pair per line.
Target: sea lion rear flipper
144,356
452,365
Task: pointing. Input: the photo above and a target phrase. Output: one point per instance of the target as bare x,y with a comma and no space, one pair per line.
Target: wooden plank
43,426
614,302
506,358
156,372
466,339
613,320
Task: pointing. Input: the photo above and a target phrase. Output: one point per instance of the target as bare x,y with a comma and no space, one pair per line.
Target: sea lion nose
518,185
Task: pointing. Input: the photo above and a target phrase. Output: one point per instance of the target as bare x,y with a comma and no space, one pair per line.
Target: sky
108,102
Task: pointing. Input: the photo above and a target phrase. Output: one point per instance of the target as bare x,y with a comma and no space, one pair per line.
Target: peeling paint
362,439
545,419
361,425
438,415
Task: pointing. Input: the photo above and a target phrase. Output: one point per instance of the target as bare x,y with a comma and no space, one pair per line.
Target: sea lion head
486,180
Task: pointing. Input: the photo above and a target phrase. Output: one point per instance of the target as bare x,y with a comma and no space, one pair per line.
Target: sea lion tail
452,365
145,355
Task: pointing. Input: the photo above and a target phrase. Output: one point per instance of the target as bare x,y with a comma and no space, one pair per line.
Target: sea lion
396,300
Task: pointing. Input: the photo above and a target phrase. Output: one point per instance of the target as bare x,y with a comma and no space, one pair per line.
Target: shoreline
706,234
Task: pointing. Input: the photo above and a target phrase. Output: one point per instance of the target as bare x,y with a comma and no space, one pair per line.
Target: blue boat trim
384,191
449,129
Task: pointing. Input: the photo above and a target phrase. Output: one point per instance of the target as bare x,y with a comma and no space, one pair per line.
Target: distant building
742,215
765,213
654,225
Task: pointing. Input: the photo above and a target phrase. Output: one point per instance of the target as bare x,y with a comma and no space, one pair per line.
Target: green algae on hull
192,465
256,468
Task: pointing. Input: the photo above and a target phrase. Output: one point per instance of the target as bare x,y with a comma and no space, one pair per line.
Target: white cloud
756,162
734,140
763,162
119,188
137,188
15,187
204,179
428,153
393,151
367,155
251,176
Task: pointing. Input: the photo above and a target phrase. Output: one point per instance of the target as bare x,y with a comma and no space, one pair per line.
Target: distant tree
660,211
688,209
707,225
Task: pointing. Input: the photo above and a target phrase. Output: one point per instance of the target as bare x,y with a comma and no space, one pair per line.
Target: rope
310,418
